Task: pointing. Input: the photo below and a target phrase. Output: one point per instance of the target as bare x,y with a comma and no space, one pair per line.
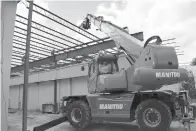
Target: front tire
153,115
79,114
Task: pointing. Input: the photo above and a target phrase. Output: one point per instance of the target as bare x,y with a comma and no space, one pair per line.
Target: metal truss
48,45
43,29
22,53
40,43
45,13
79,58
49,31
45,40
85,51
57,19
33,50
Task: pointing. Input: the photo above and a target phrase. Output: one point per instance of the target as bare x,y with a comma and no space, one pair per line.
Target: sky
166,18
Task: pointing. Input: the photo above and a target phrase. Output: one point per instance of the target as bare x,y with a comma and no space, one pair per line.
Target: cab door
92,80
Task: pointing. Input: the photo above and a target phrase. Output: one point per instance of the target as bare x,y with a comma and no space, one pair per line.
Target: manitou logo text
167,74
111,106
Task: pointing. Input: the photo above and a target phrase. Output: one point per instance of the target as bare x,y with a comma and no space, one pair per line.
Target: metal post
26,68
55,86
55,96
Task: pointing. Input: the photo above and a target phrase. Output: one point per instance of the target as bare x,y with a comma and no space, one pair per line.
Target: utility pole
26,68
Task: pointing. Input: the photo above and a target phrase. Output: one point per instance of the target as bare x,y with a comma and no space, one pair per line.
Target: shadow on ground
97,127
175,126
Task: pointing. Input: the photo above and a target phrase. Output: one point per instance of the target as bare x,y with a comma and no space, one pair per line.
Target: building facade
70,81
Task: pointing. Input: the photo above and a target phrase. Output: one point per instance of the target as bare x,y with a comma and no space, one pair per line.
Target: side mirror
122,69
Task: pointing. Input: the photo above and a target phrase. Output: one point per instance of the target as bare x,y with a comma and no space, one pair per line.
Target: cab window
107,67
114,67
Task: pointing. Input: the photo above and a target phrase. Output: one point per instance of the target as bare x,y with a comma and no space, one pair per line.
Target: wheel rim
76,115
152,117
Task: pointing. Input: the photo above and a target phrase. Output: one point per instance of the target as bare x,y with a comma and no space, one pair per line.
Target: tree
190,85
193,63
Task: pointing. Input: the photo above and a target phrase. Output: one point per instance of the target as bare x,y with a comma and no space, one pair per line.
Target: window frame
112,63
91,68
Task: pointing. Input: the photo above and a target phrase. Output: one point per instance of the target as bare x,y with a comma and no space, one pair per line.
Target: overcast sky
167,18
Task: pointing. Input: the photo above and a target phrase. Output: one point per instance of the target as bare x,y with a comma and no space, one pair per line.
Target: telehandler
135,93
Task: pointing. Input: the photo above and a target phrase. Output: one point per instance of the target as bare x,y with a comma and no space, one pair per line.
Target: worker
86,24
105,68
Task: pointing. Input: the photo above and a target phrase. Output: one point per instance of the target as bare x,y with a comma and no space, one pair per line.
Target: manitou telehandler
136,93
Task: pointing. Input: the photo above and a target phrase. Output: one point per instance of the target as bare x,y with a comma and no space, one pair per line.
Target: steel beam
91,49
21,43
18,58
22,53
46,45
26,68
39,35
77,42
32,37
86,44
82,51
15,61
45,13
43,31
30,50
55,97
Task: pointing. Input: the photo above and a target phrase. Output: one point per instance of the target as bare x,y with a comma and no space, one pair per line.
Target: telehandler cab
133,93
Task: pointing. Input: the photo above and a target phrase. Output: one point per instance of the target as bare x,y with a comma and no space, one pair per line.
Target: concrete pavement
35,119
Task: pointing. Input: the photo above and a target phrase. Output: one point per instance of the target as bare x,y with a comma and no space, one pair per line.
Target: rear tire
79,114
153,115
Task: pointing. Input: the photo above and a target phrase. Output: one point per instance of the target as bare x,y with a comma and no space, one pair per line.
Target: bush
193,63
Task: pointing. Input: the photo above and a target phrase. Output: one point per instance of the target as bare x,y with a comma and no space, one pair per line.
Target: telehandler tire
153,115
79,114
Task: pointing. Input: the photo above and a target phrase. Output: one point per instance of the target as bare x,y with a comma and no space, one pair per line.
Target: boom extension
121,37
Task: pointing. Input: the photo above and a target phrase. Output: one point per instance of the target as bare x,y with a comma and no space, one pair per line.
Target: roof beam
19,57
82,51
72,54
49,30
45,13
39,35
52,46
23,53
20,43
32,42
14,46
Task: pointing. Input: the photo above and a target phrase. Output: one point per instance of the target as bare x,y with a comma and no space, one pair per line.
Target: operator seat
105,68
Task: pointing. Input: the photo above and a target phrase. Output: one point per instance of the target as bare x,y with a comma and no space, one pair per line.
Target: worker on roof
86,24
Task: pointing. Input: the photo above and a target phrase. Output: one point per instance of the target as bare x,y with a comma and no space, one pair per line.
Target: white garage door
79,86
